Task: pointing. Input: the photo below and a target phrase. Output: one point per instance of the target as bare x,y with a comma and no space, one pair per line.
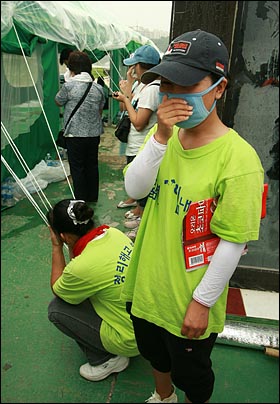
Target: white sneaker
100,372
155,398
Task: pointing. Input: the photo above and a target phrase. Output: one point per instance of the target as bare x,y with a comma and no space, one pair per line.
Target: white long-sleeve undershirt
221,268
142,172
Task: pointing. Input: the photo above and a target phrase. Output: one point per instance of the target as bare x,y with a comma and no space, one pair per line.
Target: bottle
48,159
7,192
50,162
4,189
10,201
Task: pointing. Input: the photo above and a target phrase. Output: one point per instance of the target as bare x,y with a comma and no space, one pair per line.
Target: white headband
71,214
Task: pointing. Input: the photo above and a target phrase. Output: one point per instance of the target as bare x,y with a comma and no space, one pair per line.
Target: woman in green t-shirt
87,305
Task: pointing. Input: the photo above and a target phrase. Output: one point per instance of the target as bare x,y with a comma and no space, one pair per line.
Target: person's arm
58,259
221,268
61,97
58,104
126,86
139,118
141,173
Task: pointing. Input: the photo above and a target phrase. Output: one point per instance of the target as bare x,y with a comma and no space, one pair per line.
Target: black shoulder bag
61,141
123,126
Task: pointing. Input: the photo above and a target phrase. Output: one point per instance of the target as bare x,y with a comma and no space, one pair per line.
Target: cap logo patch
178,47
220,66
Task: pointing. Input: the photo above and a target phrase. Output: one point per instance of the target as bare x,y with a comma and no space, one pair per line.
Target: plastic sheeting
83,24
21,111
39,29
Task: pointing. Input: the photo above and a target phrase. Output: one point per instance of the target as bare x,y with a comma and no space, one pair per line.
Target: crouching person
87,305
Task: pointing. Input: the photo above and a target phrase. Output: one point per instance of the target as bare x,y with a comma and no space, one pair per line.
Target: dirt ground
111,151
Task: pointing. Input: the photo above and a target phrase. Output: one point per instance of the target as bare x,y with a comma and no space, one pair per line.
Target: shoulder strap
79,103
136,102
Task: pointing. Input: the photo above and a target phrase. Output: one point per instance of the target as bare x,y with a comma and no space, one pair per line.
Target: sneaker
131,224
100,372
155,398
122,204
132,234
130,215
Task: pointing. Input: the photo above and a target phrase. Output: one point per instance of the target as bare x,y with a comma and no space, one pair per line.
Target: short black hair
216,77
64,55
60,221
147,66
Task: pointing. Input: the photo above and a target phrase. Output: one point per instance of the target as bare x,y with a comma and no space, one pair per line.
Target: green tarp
39,30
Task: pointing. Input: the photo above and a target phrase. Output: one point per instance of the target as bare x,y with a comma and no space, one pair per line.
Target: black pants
188,360
83,161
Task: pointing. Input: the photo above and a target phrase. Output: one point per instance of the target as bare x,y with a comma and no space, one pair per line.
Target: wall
250,30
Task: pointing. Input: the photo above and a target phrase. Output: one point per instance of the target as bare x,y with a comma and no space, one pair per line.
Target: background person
142,118
105,88
87,304
63,60
190,156
127,88
85,127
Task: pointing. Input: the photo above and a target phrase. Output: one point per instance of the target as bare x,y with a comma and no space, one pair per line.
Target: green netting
36,142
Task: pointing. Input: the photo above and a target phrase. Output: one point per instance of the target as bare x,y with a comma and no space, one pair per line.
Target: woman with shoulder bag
82,132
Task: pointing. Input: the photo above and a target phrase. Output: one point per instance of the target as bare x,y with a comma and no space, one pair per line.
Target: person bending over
87,306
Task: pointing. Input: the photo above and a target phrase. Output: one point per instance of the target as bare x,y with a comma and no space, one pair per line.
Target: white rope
111,60
28,195
15,149
43,111
24,189
24,165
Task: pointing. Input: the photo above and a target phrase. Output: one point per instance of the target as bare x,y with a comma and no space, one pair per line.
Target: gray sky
149,14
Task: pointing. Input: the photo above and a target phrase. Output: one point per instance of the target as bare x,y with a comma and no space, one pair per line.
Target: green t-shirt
158,283
99,274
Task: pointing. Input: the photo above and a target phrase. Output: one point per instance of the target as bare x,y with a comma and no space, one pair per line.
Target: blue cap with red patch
189,58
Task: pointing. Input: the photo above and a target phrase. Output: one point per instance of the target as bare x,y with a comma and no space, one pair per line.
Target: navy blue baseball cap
189,58
144,54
